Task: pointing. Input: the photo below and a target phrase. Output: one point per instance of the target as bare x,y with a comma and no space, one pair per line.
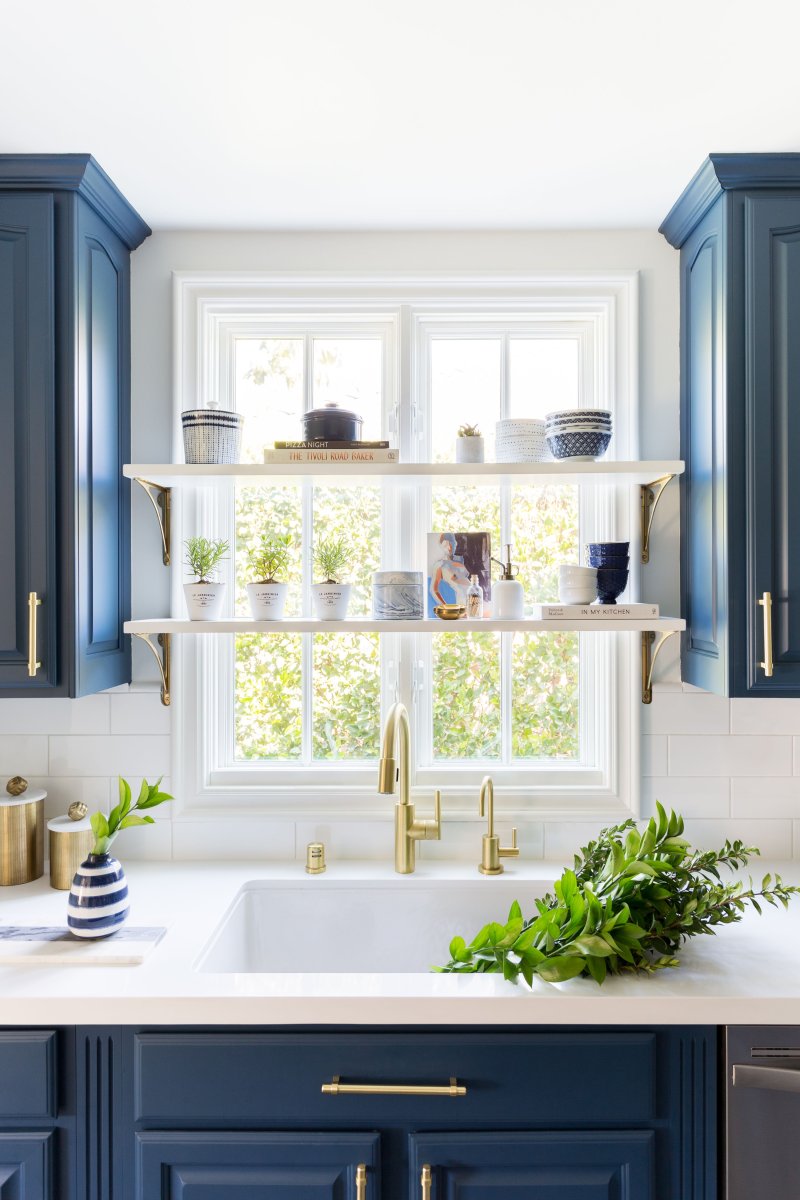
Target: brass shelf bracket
162,658
651,494
650,652
161,500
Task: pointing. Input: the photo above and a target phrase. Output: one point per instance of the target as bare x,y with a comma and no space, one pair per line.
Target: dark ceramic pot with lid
331,424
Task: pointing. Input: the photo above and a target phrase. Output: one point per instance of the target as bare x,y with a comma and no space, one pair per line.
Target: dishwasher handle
773,1079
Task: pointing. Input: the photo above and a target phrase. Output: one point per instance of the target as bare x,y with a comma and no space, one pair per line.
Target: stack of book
347,453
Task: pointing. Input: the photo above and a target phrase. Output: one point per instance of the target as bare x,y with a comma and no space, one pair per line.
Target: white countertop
748,974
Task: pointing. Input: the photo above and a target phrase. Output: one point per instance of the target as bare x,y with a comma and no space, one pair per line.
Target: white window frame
210,310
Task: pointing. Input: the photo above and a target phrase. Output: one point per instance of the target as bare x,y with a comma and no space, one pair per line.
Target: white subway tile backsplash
765,797
139,713
111,755
729,756
355,840
562,839
53,715
230,839
93,791
764,715
22,754
686,712
772,838
150,843
654,755
690,796
462,840
796,838
163,812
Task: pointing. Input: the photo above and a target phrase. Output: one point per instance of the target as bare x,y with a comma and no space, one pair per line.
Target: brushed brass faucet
391,771
491,850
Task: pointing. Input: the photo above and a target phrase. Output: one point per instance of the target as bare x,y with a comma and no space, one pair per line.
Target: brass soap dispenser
491,850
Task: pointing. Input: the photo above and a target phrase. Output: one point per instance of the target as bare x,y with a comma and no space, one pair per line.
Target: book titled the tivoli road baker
344,457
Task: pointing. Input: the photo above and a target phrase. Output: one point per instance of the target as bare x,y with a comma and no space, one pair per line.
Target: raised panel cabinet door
772,347
25,1166
27,444
704,528
536,1166
102,422
257,1166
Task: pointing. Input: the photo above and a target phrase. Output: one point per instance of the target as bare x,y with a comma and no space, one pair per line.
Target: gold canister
21,838
71,844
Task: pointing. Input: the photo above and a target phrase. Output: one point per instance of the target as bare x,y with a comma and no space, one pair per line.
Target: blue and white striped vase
98,898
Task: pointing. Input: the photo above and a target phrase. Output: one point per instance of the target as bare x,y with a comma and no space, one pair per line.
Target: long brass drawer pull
361,1181
33,665
336,1088
425,1183
766,603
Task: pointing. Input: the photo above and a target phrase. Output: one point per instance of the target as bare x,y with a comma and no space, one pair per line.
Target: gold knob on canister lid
77,810
16,786
315,858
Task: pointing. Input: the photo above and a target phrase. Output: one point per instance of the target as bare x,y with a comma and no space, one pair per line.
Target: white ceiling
365,114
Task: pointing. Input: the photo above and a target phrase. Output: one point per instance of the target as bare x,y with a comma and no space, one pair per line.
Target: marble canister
397,595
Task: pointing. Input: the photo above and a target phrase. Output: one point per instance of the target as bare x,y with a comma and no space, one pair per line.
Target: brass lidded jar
21,837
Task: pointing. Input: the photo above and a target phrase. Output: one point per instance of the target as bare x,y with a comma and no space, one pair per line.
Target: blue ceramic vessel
98,897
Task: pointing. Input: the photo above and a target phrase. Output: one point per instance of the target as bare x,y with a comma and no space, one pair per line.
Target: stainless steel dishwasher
762,1112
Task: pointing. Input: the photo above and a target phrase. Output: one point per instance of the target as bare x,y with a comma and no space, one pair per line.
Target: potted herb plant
469,444
98,898
267,595
204,597
332,559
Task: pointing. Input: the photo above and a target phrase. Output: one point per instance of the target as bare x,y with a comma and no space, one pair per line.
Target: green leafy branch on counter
632,898
126,813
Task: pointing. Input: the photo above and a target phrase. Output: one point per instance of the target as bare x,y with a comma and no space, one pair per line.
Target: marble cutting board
47,945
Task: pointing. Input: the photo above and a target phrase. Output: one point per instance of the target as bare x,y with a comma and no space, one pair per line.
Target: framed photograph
452,559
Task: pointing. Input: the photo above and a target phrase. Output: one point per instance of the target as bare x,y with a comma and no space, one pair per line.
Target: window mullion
307,644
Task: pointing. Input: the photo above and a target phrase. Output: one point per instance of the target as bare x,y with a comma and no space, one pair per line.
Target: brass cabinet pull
766,604
425,1183
336,1088
33,665
361,1181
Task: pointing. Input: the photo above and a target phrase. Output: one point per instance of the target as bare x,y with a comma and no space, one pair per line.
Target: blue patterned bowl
608,547
611,583
587,445
98,897
620,561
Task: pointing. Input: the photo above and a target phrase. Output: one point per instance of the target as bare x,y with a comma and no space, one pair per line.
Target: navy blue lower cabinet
258,1166
26,1166
539,1166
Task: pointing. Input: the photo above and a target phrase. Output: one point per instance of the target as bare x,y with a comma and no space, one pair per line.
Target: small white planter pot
267,600
469,449
331,600
204,600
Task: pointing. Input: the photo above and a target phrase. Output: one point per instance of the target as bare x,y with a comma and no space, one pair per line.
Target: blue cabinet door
27,443
536,1166
772,421
26,1167
257,1166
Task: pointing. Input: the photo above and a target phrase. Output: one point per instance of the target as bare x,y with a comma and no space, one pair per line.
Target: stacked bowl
582,434
520,439
577,585
610,560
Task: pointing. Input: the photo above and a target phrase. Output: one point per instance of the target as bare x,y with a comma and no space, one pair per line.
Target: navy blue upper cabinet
737,225
66,235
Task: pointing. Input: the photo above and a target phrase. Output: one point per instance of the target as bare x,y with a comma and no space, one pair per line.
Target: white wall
732,767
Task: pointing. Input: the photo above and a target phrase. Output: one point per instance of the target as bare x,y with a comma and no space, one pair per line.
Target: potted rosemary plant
266,594
332,559
469,444
204,597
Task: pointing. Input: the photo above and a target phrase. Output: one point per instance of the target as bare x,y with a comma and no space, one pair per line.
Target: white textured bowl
569,595
577,573
519,425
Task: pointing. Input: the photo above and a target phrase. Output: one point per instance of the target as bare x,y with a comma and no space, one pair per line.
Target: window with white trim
292,721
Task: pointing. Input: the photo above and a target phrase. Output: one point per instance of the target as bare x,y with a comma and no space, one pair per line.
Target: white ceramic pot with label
469,449
204,600
331,600
267,600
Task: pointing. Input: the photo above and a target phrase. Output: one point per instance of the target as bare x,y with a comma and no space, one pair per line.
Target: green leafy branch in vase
125,814
632,899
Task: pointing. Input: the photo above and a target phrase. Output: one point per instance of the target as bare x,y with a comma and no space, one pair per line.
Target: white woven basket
211,435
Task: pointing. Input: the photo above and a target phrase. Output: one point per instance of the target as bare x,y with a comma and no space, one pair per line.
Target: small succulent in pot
332,559
98,898
268,559
205,597
469,444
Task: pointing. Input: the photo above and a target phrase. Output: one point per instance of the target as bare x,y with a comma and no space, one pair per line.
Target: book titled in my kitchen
344,457
594,612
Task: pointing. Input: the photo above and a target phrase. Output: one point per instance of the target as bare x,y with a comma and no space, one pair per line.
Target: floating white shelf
367,625
175,474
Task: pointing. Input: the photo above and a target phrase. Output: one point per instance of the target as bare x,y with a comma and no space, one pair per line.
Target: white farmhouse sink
330,925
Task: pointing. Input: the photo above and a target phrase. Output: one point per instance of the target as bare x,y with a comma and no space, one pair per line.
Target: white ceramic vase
204,600
469,449
267,600
331,600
